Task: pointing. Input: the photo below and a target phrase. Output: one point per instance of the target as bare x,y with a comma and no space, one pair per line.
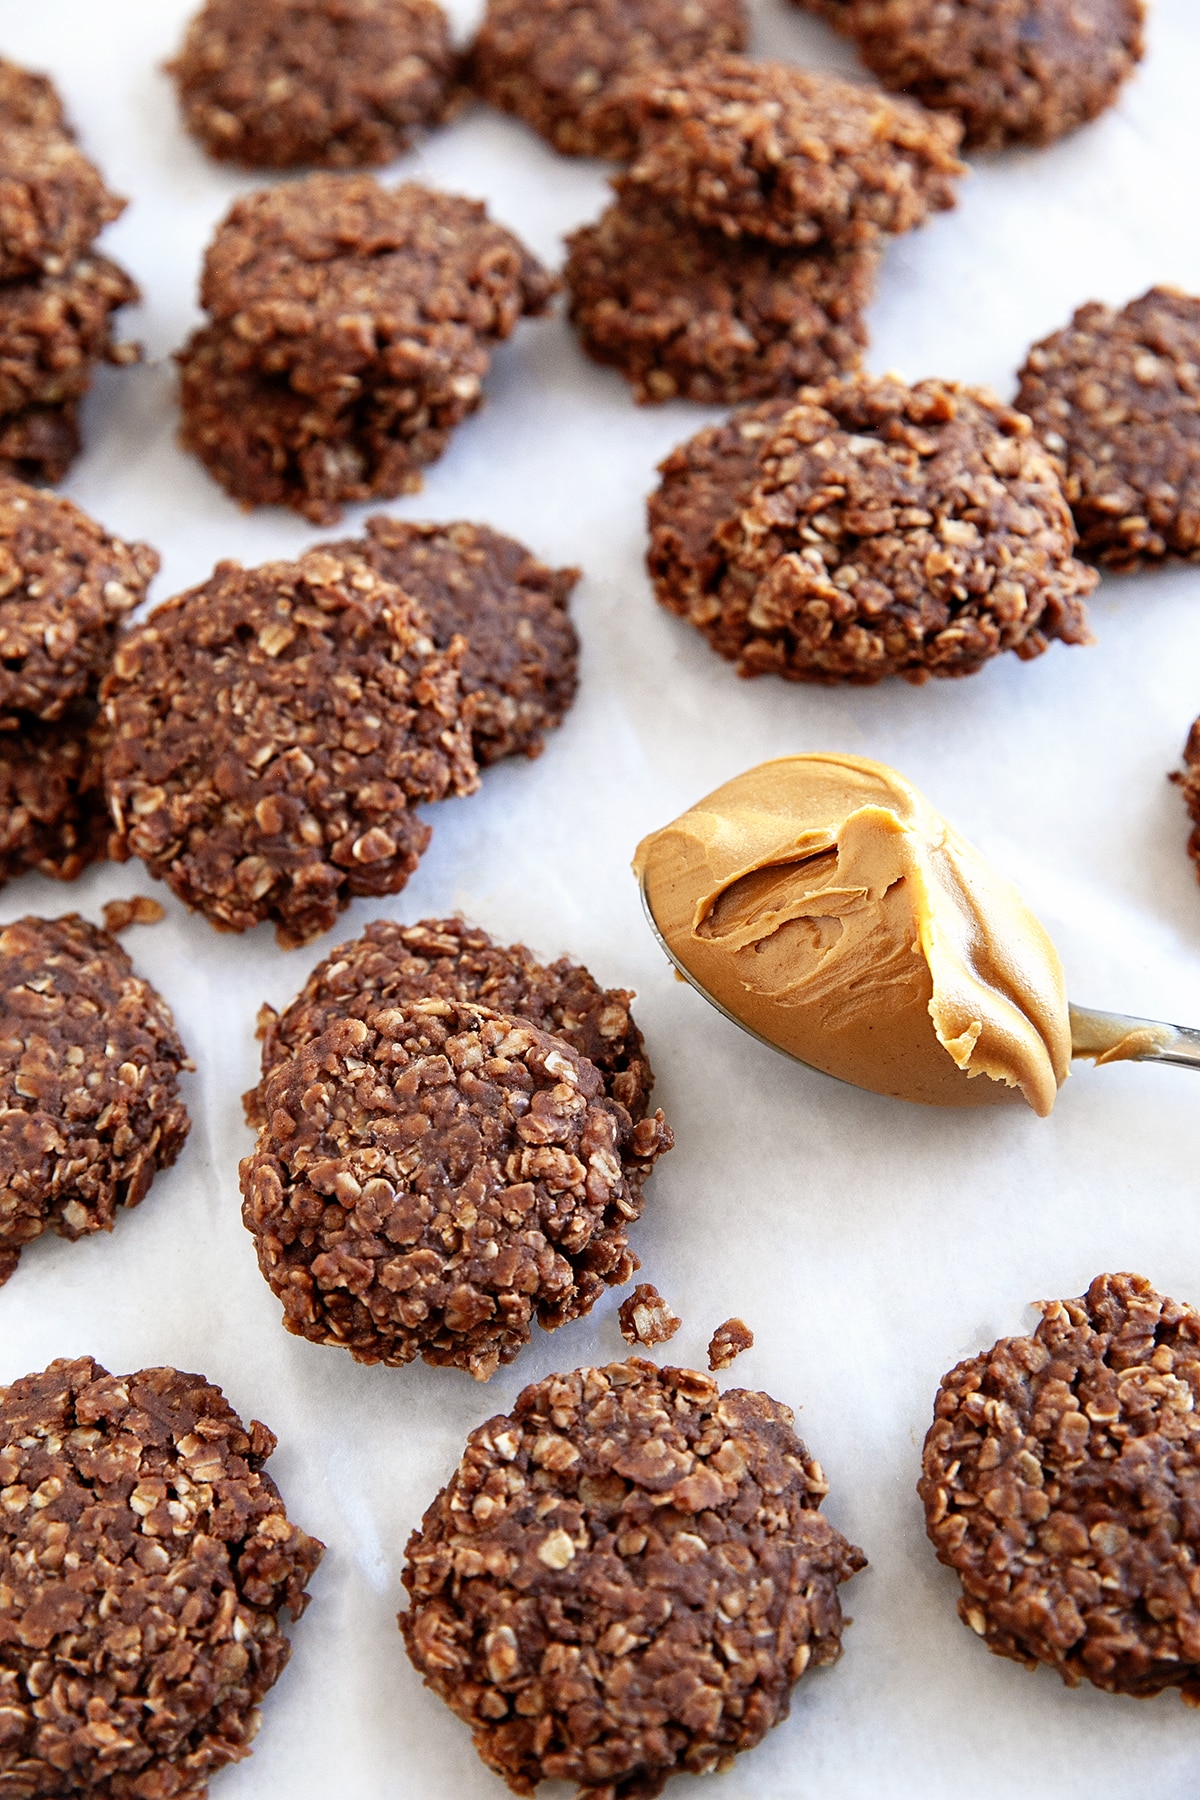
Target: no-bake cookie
882,530
65,586
40,443
430,1183
686,312
272,731
624,1578
1115,397
766,150
568,69
53,202
53,331
89,1078
351,331
393,965
53,817
281,84
520,668
1022,73
1061,1483
145,1560
28,99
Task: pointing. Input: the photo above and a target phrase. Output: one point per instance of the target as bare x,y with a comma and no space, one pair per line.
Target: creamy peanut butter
823,903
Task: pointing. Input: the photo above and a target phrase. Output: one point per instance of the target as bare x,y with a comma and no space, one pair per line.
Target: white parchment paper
869,1245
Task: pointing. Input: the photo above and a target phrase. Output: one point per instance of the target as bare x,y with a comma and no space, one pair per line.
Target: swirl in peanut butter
824,903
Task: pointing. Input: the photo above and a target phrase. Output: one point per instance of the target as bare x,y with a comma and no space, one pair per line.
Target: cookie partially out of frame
1061,1483
1115,397
432,1182
53,202
568,69
66,585
339,84
144,1580
624,1578
55,328
53,817
872,529
685,312
89,1082
271,733
1023,73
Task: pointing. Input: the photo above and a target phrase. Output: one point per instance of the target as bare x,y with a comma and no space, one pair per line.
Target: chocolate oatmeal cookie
887,531
766,150
1115,398
53,202
568,68
624,1579
52,812
65,587
685,312
89,1074
30,100
341,83
1023,73
145,1559
394,965
352,326
40,443
53,331
1189,780
1062,1484
430,1183
520,668
272,730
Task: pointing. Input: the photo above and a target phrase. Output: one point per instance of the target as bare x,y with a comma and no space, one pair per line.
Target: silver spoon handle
1111,1037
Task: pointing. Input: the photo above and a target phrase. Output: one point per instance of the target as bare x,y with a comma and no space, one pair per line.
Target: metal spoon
1100,1037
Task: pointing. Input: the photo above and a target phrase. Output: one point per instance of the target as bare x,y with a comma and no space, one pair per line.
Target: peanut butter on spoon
823,903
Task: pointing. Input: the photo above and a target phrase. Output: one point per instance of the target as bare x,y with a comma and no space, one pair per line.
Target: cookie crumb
646,1318
140,910
728,1341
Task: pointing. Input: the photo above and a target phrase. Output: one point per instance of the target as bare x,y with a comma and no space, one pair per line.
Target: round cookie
352,326
281,84
1062,1484
624,1578
766,150
688,313
145,1565
272,730
447,959
520,667
89,1078
1023,73
568,69
1115,397
65,587
28,99
430,1183
889,531
54,329
53,202
52,812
